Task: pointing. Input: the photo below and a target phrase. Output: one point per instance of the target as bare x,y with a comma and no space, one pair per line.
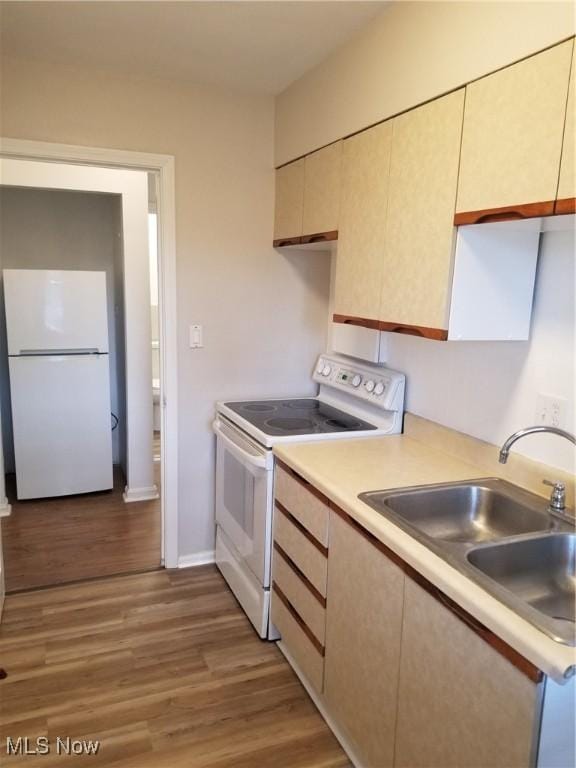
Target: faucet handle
558,495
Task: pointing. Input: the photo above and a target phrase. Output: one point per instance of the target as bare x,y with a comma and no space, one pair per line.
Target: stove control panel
378,385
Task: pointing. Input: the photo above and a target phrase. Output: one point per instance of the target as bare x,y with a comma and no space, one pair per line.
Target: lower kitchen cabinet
404,676
363,633
461,704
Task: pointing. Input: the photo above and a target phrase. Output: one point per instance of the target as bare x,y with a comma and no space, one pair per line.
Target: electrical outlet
551,410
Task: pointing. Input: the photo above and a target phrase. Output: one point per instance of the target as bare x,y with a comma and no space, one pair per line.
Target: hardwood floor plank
163,668
65,539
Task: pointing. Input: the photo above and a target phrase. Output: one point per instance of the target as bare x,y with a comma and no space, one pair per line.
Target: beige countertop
341,469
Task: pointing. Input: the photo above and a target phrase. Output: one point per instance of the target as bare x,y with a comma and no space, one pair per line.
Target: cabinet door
461,704
362,225
417,275
322,190
289,201
567,184
363,631
512,138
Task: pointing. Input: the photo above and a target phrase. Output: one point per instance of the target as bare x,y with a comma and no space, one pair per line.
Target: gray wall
51,229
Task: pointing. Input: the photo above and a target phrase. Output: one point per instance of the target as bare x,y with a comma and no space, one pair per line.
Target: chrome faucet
505,450
557,504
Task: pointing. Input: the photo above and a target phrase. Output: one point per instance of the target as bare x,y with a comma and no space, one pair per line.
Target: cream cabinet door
322,190
362,226
417,274
512,138
289,205
567,183
363,633
461,704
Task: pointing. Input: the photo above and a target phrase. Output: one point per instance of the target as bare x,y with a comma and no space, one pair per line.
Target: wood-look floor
70,538
163,668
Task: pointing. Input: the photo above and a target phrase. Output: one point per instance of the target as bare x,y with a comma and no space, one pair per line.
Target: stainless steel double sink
499,536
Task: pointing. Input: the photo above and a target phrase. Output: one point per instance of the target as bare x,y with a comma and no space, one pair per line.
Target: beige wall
412,52
264,313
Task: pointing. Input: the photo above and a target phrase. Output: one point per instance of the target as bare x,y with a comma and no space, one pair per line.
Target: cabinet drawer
307,555
307,601
302,504
301,648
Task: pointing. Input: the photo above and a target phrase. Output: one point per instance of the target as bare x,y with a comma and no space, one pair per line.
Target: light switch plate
196,337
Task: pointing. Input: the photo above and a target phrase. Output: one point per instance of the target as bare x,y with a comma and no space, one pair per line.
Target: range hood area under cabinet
500,150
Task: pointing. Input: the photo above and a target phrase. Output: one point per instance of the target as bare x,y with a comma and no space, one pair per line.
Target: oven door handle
242,455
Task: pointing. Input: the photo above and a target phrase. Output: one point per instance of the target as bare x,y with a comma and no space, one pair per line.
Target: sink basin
472,512
539,571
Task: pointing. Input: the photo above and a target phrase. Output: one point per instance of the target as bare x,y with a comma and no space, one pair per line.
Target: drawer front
307,603
307,657
307,508
305,554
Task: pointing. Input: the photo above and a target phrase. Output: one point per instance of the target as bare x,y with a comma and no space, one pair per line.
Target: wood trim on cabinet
320,237
566,205
499,645
299,479
297,572
363,322
297,524
284,241
438,334
506,213
298,619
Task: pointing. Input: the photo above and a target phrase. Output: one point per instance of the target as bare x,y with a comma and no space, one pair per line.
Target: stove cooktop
297,417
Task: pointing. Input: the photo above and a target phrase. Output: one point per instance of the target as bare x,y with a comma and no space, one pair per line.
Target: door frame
163,167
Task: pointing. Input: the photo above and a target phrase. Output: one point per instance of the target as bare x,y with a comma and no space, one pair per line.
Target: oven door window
241,508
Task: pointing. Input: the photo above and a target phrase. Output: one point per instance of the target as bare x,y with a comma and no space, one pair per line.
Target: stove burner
260,407
344,424
304,405
291,424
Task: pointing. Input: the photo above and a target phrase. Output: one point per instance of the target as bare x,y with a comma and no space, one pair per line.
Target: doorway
133,510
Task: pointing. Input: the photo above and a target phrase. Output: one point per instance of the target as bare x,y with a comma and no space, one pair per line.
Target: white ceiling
254,46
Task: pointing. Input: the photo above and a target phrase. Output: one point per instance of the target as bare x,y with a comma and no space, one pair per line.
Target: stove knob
357,380
369,385
320,366
326,371
379,389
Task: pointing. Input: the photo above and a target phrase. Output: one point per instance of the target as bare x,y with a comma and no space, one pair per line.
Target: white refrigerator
57,331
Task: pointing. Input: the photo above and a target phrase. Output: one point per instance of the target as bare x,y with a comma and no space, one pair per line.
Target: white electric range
354,400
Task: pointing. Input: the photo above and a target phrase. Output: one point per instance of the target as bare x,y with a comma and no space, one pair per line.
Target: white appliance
354,400
57,331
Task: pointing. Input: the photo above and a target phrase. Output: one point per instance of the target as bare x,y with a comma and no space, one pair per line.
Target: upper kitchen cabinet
289,208
566,202
512,139
322,194
308,198
419,247
362,227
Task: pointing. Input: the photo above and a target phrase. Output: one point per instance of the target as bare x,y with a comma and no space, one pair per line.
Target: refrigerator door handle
53,352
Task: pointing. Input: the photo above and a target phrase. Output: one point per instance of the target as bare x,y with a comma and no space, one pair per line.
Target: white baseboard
140,494
5,508
199,558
